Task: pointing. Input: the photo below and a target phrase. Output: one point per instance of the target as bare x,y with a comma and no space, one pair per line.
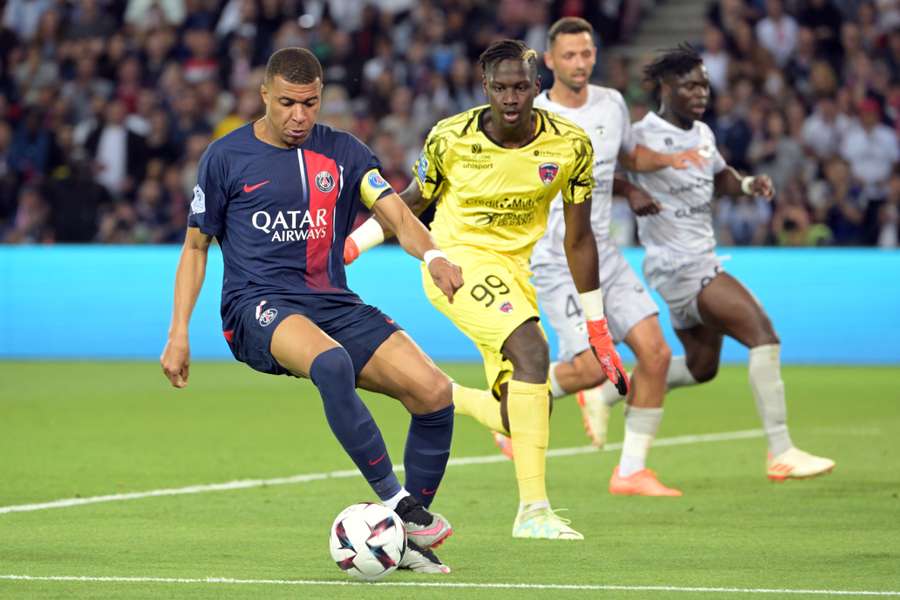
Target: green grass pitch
70,430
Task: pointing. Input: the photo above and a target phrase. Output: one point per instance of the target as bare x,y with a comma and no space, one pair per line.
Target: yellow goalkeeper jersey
498,198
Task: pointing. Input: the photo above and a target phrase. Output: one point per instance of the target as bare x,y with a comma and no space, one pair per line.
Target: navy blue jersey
281,214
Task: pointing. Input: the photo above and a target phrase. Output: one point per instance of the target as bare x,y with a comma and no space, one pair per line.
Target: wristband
746,185
592,303
368,235
432,254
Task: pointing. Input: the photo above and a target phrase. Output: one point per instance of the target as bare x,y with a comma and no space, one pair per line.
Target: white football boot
797,464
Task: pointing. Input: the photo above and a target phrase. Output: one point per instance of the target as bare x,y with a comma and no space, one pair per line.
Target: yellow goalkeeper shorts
496,298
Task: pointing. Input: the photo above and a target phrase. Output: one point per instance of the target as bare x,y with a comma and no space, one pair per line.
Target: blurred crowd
808,92
106,106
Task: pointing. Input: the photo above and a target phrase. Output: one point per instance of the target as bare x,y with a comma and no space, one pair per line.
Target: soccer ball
367,541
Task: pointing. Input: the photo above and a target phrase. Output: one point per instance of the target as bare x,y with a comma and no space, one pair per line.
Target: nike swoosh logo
427,492
250,188
372,463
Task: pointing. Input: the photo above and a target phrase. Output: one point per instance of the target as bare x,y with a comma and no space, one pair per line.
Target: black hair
508,50
671,63
295,65
569,25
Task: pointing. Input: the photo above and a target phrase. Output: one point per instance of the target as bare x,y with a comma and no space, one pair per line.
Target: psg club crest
506,307
547,172
266,318
324,181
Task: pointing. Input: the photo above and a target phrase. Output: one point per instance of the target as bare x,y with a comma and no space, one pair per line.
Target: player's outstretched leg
401,370
330,368
528,409
352,423
480,405
727,305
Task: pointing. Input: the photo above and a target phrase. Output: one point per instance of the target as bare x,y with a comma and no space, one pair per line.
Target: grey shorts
626,301
679,279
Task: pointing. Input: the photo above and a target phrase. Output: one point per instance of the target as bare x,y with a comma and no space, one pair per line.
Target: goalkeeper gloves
601,341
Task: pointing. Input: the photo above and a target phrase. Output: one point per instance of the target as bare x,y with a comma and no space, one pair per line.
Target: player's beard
574,85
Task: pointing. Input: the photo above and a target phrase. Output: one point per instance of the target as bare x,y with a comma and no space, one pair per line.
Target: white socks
394,500
768,391
641,425
608,392
678,374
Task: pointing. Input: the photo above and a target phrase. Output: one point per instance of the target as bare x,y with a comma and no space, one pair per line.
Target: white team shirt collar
654,119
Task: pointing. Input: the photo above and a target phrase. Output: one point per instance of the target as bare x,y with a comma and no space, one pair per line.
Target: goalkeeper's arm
374,230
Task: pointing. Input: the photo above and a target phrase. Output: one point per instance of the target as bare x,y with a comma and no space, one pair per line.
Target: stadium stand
106,106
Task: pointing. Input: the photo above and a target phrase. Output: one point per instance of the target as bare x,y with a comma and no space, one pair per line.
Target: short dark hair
569,25
508,50
295,65
671,63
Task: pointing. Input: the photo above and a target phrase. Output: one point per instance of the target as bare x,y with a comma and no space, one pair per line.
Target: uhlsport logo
547,172
324,181
268,315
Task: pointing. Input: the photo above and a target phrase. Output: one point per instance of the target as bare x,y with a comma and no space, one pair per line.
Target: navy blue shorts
356,326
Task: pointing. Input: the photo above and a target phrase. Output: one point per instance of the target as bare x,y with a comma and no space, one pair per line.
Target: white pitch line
452,584
244,484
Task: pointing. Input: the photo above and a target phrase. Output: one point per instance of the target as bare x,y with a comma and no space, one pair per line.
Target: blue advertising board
829,306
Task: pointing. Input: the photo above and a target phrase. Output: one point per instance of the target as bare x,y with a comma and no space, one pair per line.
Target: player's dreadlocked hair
508,50
672,63
296,65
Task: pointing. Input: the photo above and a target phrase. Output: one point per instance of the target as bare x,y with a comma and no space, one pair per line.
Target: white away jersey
684,225
605,118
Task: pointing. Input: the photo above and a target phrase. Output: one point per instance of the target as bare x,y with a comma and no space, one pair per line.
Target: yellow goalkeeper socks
480,405
528,405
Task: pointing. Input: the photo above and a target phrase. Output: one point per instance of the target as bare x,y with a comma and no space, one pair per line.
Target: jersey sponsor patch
422,170
324,181
198,203
547,172
376,181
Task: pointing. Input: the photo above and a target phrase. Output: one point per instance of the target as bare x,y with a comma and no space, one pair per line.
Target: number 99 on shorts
488,290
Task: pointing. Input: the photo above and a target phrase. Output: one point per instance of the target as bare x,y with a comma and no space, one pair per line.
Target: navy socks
427,452
352,423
